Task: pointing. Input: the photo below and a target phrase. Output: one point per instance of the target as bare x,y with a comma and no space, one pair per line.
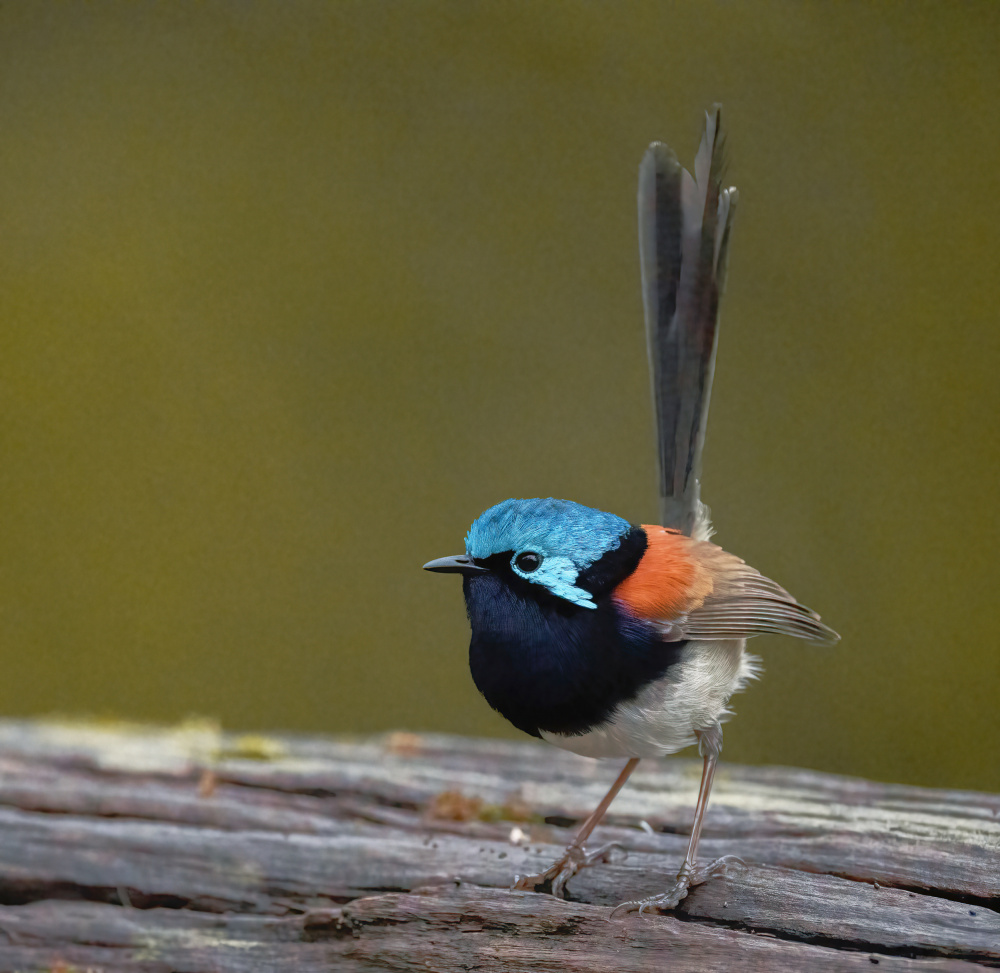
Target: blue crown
568,536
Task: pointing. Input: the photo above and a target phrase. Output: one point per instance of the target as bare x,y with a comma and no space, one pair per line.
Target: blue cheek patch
558,575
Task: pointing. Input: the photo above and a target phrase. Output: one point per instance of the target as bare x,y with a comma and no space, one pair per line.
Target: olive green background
291,291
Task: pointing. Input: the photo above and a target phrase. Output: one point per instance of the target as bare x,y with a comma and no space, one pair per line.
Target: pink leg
555,877
710,745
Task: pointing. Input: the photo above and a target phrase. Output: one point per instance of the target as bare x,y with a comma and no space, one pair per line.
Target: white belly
663,717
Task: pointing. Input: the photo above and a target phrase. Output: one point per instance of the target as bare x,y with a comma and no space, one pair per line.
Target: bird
619,640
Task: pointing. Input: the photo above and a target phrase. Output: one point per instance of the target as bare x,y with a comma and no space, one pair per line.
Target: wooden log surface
186,849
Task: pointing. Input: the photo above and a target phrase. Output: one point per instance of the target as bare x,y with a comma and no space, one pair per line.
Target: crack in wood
987,958
328,855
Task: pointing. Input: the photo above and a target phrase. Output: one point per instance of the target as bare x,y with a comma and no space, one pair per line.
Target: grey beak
457,564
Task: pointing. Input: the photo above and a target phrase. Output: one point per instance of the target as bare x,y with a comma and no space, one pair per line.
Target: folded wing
693,589
744,603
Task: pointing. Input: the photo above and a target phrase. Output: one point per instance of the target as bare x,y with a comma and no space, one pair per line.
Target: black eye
528,561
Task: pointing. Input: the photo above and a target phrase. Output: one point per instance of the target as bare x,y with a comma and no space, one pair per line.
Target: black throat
547,664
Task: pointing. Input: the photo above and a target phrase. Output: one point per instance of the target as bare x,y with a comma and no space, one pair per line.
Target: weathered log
131,848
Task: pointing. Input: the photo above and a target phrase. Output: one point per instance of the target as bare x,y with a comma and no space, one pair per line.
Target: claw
613,853
687,878
717,869
553,880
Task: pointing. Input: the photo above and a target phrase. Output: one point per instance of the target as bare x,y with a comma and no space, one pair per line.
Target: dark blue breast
545,664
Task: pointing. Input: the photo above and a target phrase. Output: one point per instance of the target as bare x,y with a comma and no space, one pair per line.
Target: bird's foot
553,880
687,878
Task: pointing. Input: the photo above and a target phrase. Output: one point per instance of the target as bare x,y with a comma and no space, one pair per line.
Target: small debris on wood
314,855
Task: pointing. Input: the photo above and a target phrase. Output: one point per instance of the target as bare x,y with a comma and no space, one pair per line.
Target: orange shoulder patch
668,581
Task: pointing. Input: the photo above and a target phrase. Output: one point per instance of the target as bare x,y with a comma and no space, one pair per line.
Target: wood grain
137,848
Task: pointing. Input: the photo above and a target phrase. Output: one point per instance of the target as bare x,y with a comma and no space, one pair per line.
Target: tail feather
684,225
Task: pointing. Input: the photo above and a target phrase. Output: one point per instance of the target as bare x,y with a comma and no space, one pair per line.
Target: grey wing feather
684,225
743,603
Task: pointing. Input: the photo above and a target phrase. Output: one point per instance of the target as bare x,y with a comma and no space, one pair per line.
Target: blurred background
291,291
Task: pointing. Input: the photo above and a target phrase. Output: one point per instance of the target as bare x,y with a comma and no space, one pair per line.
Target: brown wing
743,603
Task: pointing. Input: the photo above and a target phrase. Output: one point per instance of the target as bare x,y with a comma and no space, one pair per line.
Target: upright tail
684,226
